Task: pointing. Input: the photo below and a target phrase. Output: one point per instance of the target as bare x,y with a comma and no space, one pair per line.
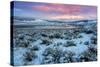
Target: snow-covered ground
51,46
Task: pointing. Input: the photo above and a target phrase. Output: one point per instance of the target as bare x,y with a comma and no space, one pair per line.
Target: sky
53,10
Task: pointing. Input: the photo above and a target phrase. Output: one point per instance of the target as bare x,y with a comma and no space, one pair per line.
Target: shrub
47,51
22,43
86,43
29,56
76,32
92,49
94,40
80,42
68,37
16,42
51,36
55,53
57,35
31,40
89,55
44,35
68,57
59,43
21,37
69,43
46,42
89,31
80,36
35,48
47,59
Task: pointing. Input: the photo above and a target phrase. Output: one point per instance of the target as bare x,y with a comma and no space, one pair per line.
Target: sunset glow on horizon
68,17
54,10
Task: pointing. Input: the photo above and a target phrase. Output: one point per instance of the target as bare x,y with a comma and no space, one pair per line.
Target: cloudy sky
53,10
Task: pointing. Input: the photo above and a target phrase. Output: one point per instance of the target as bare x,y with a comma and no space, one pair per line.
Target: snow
78,49
18,55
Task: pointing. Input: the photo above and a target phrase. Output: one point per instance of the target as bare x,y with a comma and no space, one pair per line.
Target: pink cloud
66,9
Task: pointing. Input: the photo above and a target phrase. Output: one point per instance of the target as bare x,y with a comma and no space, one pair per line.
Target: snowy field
46,45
